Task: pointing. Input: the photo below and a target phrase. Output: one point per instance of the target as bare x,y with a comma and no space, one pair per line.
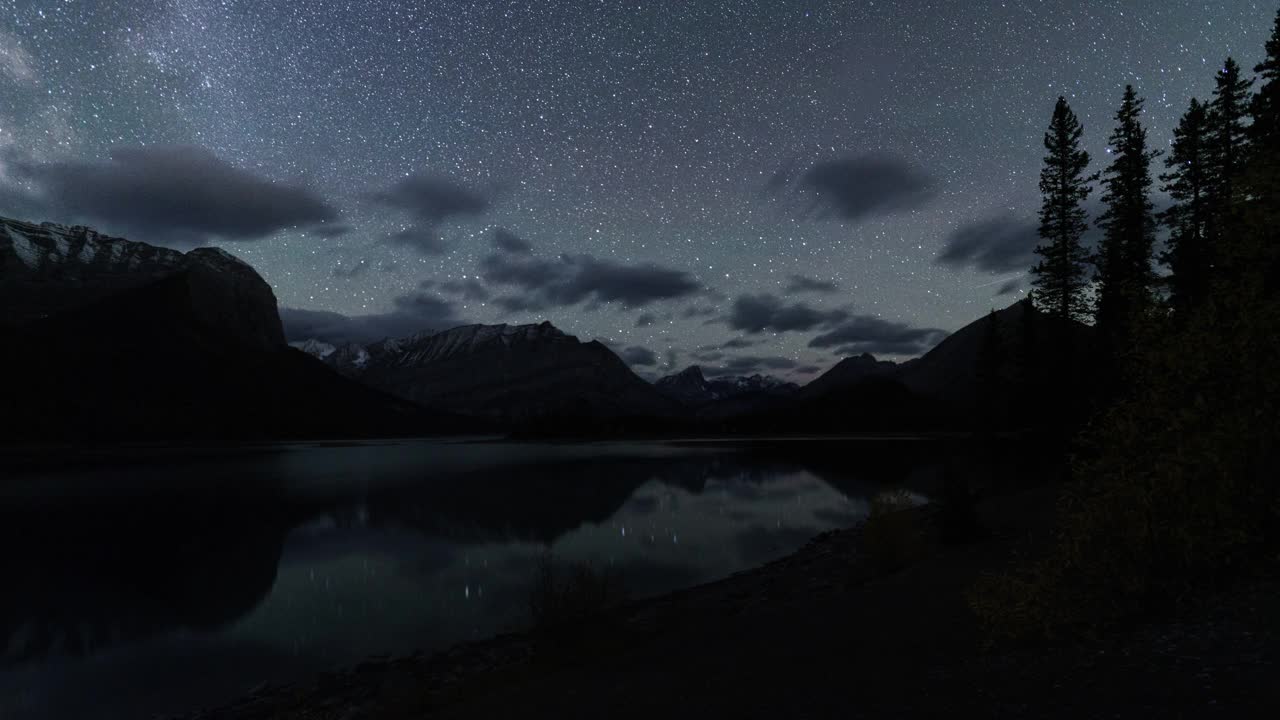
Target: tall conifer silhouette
1125,276
1060,278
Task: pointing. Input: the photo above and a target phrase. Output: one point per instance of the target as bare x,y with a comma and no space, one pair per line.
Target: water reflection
161,586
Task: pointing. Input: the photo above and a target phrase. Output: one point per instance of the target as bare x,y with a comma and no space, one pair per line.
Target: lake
163,581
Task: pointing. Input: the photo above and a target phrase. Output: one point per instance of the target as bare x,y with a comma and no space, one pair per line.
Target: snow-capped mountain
49,269
507,371
126,340
687,386
690,387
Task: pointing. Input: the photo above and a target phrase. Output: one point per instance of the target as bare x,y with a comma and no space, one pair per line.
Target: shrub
561,594
1175,488
893,535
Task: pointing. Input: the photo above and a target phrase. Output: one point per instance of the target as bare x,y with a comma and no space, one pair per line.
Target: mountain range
121,339
108,339
516,373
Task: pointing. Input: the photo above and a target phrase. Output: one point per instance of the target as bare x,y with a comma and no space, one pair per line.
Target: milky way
715,182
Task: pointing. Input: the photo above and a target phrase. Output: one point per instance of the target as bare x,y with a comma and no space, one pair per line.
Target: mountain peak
511,371
691,372
851,371
50,269
691,387
428,346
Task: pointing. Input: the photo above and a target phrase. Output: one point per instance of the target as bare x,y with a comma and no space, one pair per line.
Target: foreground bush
892,536
1175,489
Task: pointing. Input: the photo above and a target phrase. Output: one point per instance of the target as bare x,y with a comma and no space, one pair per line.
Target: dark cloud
507,241
425,240
773,363
672,357
175,195
867,333
738,343
695,311
468,289
707,356
412,313
571,279
432,199
750,365
1006,243
17,198
331,231
646,319
1000,244
807,370
351,269
865,186
518,304
424,305
636,355
765,312
1009,288
801,283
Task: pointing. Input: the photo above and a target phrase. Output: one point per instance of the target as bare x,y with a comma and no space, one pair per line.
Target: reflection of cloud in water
345,552
642,505
429,558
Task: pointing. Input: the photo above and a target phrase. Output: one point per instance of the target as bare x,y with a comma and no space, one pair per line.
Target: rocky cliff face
517,372
688,386
230,296
49,269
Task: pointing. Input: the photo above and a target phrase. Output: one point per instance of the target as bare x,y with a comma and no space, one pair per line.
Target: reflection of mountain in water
94,575
81,578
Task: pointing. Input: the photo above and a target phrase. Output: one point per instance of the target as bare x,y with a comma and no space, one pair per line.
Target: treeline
1175,483
1219,171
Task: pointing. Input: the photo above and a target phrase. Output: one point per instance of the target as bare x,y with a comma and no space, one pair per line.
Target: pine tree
1125,278
1188,253
1227,134
1264,108
1261,254
1060,277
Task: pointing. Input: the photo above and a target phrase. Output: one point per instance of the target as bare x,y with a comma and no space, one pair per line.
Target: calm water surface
174,582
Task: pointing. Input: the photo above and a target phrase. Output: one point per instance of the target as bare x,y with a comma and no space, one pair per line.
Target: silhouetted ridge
49,269
123,340
978,376
508,372
850,371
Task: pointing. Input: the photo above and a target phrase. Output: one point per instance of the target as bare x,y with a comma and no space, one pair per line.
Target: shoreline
444,674
769,638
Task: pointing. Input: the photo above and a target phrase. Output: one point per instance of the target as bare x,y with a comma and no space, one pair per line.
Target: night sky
752,186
